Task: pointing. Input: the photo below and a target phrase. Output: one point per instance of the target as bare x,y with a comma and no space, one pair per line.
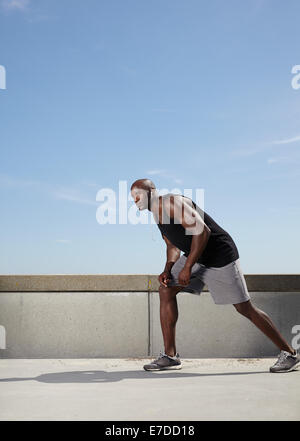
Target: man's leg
264,323
169,316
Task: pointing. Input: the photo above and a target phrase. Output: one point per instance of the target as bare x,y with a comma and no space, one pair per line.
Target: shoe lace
161,355
282,356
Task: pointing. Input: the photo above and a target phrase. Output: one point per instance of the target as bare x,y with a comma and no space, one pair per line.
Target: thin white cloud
39,18
288,175
283,160
287,141
15,5
73,197
164,174
273,160
63,241
178,181
68,194
156,172
250,150
260,147
8,181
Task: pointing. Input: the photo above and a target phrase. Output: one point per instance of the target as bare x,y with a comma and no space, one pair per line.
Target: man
210,258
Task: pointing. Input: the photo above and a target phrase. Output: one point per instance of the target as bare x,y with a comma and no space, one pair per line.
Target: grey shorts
226,284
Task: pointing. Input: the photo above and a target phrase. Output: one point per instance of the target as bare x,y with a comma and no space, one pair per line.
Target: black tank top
220,249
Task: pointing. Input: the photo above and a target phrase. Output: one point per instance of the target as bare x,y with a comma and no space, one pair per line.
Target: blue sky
192,94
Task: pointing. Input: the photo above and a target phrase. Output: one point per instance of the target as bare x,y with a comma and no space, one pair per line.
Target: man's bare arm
198,245
173,254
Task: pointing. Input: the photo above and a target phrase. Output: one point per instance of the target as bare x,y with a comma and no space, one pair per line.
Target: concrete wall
72,316
207,330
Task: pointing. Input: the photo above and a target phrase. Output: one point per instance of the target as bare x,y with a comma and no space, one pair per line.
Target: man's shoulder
170,197
176,200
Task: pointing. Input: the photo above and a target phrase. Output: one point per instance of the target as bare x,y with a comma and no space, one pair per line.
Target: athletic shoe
164,362
286,362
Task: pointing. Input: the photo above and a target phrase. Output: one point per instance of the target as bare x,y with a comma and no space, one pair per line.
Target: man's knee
244,308
168,292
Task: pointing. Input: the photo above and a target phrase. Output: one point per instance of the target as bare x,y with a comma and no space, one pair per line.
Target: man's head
142,190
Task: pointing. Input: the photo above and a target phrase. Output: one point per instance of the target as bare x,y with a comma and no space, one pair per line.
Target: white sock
173,358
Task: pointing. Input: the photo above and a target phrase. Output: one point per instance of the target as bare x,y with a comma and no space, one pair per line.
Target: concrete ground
119,389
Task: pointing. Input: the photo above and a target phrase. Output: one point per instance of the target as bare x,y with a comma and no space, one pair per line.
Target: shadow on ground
105,376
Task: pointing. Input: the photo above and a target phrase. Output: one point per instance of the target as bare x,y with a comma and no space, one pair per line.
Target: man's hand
184,276
164,278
